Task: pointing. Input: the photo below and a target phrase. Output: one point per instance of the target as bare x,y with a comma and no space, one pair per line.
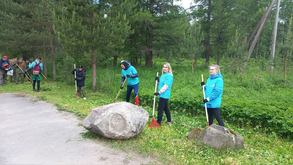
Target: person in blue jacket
165,85
130,73
213,92
36,77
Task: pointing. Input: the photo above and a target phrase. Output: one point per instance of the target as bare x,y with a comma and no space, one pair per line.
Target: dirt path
35,132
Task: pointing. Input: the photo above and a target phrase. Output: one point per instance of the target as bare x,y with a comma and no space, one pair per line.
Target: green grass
170,144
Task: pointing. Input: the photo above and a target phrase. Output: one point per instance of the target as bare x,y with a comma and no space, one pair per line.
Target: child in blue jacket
213,92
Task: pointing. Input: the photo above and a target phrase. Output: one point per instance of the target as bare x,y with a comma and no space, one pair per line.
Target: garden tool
205,105
154,122
24,73
45,78
76,96
120,89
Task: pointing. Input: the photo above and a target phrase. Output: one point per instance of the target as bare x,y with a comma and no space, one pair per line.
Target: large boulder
217,137
117,121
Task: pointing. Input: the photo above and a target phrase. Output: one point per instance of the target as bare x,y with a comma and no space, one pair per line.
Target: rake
76,96
154,122
45,78
24,73
205,105
120,89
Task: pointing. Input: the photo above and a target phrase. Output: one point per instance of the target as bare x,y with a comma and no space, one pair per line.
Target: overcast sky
184,3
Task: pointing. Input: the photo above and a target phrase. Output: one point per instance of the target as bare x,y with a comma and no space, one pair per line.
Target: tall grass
243,96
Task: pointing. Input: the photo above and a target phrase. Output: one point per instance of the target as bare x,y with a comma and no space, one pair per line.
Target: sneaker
34,89
84,98
168,123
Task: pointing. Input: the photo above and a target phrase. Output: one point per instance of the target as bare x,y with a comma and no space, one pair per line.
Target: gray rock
218,138
117,121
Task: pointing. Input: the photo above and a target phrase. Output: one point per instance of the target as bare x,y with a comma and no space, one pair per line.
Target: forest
98,34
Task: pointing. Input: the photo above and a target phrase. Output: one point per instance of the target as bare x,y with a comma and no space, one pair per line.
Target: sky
184,3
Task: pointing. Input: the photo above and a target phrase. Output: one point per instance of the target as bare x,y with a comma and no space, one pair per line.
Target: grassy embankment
246,92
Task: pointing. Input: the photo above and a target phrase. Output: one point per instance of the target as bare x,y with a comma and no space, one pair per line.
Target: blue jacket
167,79
2,62
133,79
31,65
214,90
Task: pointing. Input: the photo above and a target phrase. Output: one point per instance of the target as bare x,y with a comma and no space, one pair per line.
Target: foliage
170,145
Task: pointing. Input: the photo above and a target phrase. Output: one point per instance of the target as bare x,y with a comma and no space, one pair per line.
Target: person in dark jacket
4,67
80,78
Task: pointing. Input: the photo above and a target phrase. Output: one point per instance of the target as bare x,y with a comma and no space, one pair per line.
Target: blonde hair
169,68
217,67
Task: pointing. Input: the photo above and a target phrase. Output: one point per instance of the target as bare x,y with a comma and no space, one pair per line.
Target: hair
217,67
169,68
80,66
20,62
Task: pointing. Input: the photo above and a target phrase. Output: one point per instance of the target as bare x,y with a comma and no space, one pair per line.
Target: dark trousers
38,84
163,106
215,112
129,89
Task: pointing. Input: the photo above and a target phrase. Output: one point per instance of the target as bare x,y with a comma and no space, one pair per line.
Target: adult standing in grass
19,71
13,67
213,92
4,67
165,85
131,74
37,76
80,78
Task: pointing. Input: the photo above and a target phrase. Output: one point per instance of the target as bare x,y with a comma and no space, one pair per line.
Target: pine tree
92,26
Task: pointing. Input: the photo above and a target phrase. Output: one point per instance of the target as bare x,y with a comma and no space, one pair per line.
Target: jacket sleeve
1,65
73,71
134,75
122,80
31,65
218,90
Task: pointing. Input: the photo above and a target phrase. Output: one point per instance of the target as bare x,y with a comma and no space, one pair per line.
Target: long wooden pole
275,35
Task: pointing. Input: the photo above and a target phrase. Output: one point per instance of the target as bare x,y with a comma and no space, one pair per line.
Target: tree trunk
51,45
207,38
94,69
256,52
38,49
94,62
149,54
192,66
44,54
52,53
115,60
285,68
34,55
218,60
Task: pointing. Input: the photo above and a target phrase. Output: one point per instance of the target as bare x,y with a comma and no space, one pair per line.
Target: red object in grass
154,124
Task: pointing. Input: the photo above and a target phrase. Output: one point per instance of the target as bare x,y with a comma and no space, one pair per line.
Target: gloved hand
128,75
75,79
202,84
156,94
157,79
206,100
121,87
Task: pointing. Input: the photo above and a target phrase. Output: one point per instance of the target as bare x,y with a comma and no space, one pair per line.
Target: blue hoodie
214,90
133,79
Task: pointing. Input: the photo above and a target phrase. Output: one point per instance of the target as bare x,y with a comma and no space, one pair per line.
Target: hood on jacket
219,75
126,64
